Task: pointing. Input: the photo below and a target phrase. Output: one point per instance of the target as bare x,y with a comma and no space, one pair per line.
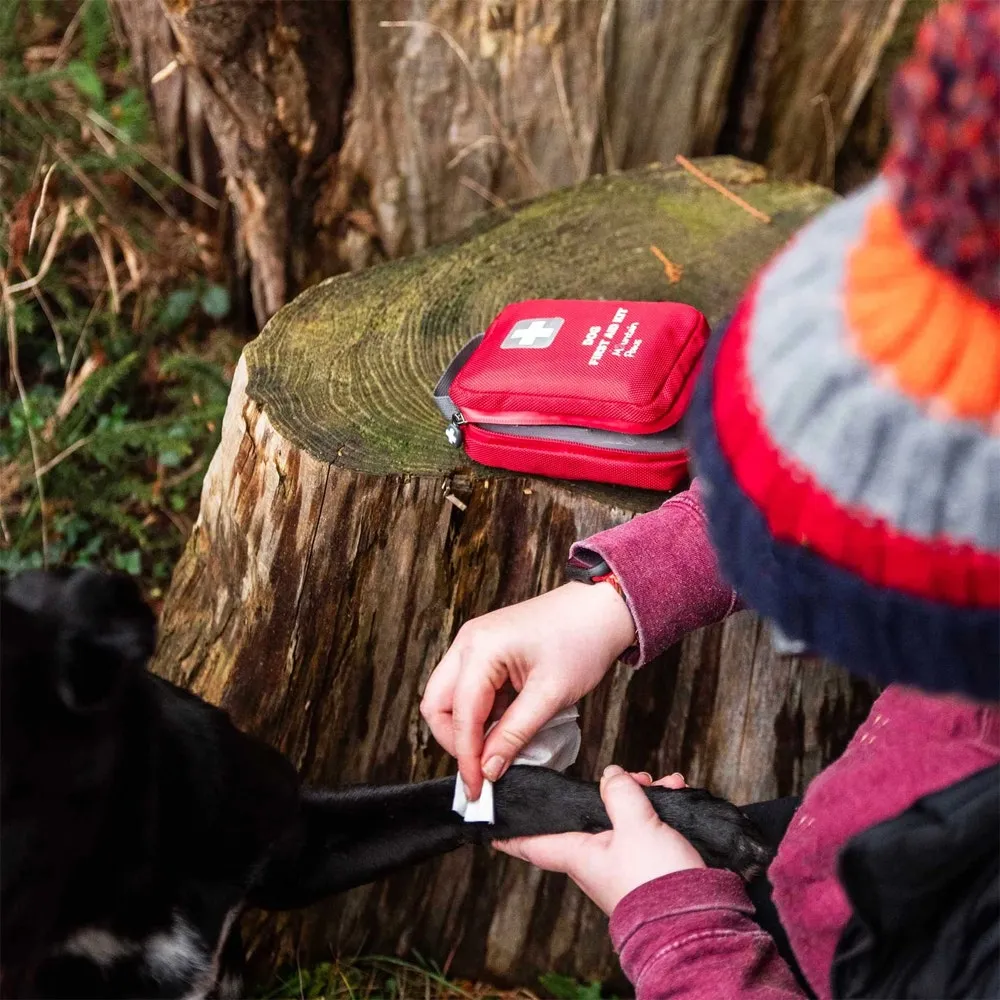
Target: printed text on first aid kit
627,346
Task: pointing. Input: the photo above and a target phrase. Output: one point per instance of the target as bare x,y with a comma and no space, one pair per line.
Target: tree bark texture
267,84
349,132
810,69
341,544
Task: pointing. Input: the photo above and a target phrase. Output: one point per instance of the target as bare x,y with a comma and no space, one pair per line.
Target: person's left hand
608,866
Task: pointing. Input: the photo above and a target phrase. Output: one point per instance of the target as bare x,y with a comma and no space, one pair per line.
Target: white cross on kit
533,333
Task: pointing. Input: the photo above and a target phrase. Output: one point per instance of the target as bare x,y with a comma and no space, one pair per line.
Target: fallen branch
495,200
185,185
74,386
162,74
722,189
43,304
105,253
674,272
63,455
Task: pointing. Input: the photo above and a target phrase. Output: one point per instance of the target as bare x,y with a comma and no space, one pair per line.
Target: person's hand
552,650
608,866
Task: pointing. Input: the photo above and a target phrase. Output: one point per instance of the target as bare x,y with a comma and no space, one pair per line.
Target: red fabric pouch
578,390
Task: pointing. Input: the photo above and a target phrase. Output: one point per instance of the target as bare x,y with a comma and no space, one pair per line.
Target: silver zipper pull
453,432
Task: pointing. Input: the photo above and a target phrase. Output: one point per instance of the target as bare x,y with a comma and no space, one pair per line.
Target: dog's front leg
353,836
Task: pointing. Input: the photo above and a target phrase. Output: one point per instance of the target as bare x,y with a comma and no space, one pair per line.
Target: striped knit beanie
846,425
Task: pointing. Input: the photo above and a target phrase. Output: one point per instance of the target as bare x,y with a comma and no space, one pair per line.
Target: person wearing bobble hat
847,442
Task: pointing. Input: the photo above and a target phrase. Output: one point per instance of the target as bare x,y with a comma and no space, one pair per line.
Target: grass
116,345
381,977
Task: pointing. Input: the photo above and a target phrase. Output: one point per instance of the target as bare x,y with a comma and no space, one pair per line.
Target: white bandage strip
556,745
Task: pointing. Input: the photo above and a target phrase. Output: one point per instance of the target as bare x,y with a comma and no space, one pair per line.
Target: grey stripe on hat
864,442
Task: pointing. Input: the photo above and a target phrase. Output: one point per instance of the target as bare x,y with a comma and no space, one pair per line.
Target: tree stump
342,543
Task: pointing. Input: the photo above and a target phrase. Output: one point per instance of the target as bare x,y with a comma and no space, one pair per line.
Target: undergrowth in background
116,356
381,977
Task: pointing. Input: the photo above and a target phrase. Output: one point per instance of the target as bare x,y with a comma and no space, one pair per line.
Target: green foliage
34,105
381,977
215,301
565,988
87,82
373,976
124,373
114,499
95,21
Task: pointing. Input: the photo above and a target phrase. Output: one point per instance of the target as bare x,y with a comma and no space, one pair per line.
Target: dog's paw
535,800
718,830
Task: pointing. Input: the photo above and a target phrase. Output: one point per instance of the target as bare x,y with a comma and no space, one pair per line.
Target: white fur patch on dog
179,954
178,957
99,946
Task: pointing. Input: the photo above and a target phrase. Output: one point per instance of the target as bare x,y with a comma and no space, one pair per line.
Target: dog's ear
110,631
99,627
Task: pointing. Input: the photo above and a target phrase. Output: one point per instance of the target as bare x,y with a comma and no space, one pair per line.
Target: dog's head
71,645
73,649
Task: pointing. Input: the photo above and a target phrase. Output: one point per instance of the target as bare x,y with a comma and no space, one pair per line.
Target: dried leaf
20,225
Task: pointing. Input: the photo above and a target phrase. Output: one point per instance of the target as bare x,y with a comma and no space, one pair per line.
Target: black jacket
924,888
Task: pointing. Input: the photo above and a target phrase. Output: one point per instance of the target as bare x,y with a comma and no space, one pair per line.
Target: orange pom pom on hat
846,425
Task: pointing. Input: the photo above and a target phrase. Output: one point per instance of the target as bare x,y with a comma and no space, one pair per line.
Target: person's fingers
556,852
624,799
674,781
436,704
474,693
527,713
643,777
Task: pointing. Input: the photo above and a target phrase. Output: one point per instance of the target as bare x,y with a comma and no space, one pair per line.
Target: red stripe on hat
799,511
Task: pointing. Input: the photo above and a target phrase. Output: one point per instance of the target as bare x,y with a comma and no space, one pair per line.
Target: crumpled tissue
556,745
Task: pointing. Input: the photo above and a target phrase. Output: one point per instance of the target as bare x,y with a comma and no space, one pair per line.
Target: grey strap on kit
443,388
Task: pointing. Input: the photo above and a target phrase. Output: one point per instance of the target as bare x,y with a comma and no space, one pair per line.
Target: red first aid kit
578,390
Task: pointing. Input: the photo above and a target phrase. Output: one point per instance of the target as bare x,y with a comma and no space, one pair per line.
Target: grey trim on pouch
652,444
443,387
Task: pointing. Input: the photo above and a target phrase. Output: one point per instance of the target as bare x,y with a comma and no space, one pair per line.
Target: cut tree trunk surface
341,544
344,372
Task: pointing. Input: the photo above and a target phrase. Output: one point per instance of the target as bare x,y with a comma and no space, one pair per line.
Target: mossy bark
341,544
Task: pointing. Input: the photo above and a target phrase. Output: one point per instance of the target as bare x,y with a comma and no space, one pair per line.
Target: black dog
137,822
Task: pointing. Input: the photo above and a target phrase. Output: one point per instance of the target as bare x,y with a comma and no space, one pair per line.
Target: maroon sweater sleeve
690,936
667,568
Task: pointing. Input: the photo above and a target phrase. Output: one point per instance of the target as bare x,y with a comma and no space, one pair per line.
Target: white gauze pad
556,745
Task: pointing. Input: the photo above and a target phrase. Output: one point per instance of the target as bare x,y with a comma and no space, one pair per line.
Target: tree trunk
461,106
341,543
812,65
268,82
